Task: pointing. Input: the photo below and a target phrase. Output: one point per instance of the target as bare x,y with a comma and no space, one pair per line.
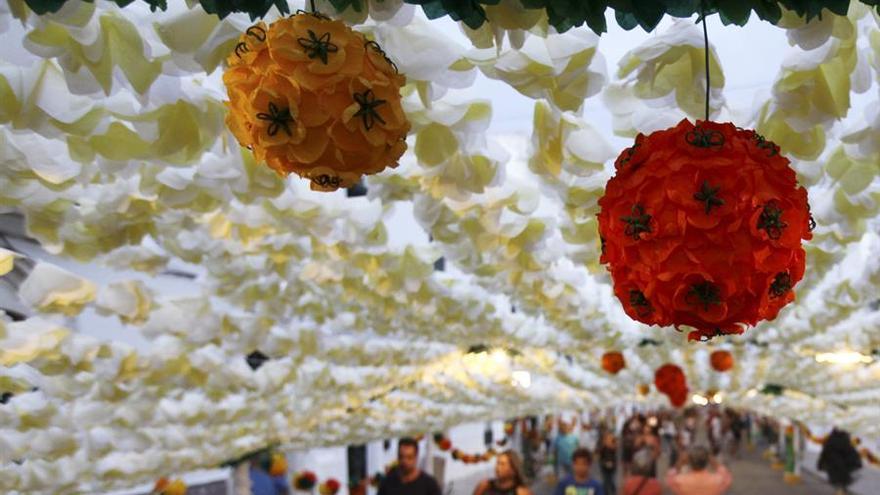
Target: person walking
649,442
563,448
640,481
407,478
579,481
697,479
839,459
509,478
631,429
607,454
261,482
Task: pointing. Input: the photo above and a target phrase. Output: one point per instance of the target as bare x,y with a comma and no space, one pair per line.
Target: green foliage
562,14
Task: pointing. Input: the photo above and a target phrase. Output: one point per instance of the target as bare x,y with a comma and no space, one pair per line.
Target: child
580,483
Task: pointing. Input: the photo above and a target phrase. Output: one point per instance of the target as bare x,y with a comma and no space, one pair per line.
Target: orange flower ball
702,226
721,361
644,389
444,444
161,485
311,96
165,487
613,362
278,467
329,487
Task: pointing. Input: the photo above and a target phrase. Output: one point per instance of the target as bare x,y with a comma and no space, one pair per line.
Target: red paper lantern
721,361
702,226
613,362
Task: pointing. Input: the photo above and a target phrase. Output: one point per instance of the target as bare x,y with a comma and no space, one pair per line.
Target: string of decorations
305,481
442,442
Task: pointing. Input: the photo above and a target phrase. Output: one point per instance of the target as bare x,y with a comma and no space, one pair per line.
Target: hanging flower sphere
702,226
721,361
164,486
304,481
613,362
509,428
311,96
278,466
643,389
329,487
669,379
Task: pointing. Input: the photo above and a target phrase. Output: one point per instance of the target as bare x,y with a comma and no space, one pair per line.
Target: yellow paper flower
311,96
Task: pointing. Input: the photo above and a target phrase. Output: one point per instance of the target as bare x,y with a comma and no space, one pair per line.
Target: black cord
312,3
706,50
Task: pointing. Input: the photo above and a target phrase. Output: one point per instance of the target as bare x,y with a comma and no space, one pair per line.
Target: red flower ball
444,444
668,378
721,361
304,480
678,397
702,226
613,362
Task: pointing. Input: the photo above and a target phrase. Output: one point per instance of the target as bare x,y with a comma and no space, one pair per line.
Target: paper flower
49,288
702,226
310,96
721,361
613,362
6,261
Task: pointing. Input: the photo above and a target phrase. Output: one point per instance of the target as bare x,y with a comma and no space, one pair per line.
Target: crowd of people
631,456
693,447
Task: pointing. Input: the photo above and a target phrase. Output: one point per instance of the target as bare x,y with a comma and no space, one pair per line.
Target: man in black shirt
407,478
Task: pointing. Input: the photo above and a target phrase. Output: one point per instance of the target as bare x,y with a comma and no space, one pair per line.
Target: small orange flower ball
329,487
643,389
165,487
721,361
613,362
278,467
311,96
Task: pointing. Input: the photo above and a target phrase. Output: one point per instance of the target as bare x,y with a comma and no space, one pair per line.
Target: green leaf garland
562,14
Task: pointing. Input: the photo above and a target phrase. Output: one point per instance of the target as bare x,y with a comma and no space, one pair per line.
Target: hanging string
706,50
312,4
